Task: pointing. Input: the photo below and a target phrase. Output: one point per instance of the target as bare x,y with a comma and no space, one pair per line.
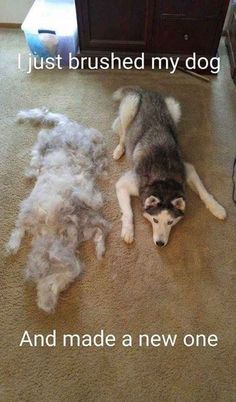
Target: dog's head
164,206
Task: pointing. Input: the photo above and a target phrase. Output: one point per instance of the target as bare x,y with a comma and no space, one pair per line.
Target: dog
63,207
146,125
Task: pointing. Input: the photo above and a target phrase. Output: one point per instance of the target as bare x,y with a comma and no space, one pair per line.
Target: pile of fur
63,208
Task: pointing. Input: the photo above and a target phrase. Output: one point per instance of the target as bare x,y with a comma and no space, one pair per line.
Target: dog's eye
169,222
155,220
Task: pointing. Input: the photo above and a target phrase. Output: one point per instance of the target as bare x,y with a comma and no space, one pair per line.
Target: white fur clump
63,207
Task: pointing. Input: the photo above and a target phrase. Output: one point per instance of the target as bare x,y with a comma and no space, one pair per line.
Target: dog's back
151,139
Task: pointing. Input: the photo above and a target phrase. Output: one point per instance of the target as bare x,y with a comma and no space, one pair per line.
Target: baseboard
10,25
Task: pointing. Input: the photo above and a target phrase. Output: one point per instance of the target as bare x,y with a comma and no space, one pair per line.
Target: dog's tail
120,93
174,109
41,117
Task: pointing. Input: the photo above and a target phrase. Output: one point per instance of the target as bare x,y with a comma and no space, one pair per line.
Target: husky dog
146,125
63,207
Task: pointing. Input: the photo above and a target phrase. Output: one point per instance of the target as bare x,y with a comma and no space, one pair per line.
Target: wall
14,11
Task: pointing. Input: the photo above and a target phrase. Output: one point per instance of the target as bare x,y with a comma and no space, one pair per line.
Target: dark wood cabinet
124,25
165,27
184,38
191,9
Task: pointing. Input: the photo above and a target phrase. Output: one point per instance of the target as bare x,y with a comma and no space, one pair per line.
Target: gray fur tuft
63,208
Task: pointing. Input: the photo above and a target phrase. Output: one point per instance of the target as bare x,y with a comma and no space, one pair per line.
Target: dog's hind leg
35,164
116,126
126,187
41,117
14,243
49,288
174,109
120,149
17,234
127,112
196,184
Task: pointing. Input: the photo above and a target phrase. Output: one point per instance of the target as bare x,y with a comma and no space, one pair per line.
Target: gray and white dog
146,125
63,208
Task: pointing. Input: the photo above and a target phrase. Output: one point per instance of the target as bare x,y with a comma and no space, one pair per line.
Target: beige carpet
185,288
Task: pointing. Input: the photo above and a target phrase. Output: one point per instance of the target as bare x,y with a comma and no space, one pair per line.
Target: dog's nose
160,243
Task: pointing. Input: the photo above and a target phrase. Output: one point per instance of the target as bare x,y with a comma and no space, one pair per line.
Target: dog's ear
151,202
179,203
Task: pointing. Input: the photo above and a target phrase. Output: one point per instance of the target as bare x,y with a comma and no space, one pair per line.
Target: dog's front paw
217,210
127,233
118,152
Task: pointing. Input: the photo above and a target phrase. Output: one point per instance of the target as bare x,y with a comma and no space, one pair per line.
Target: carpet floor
186,288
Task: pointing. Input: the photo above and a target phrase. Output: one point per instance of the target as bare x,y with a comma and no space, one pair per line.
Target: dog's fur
146,125
63,208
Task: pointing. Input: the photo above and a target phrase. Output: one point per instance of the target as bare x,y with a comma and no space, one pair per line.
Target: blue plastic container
51,29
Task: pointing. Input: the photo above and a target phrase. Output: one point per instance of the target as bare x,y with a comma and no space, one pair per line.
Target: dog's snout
160,243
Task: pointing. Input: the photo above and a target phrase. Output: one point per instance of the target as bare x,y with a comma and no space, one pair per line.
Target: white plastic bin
51,29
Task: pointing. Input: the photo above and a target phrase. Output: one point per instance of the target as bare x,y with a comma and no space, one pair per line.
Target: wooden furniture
231,42
157,27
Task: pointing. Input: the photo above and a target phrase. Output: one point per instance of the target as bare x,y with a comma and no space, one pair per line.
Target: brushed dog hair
146,125
63,208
